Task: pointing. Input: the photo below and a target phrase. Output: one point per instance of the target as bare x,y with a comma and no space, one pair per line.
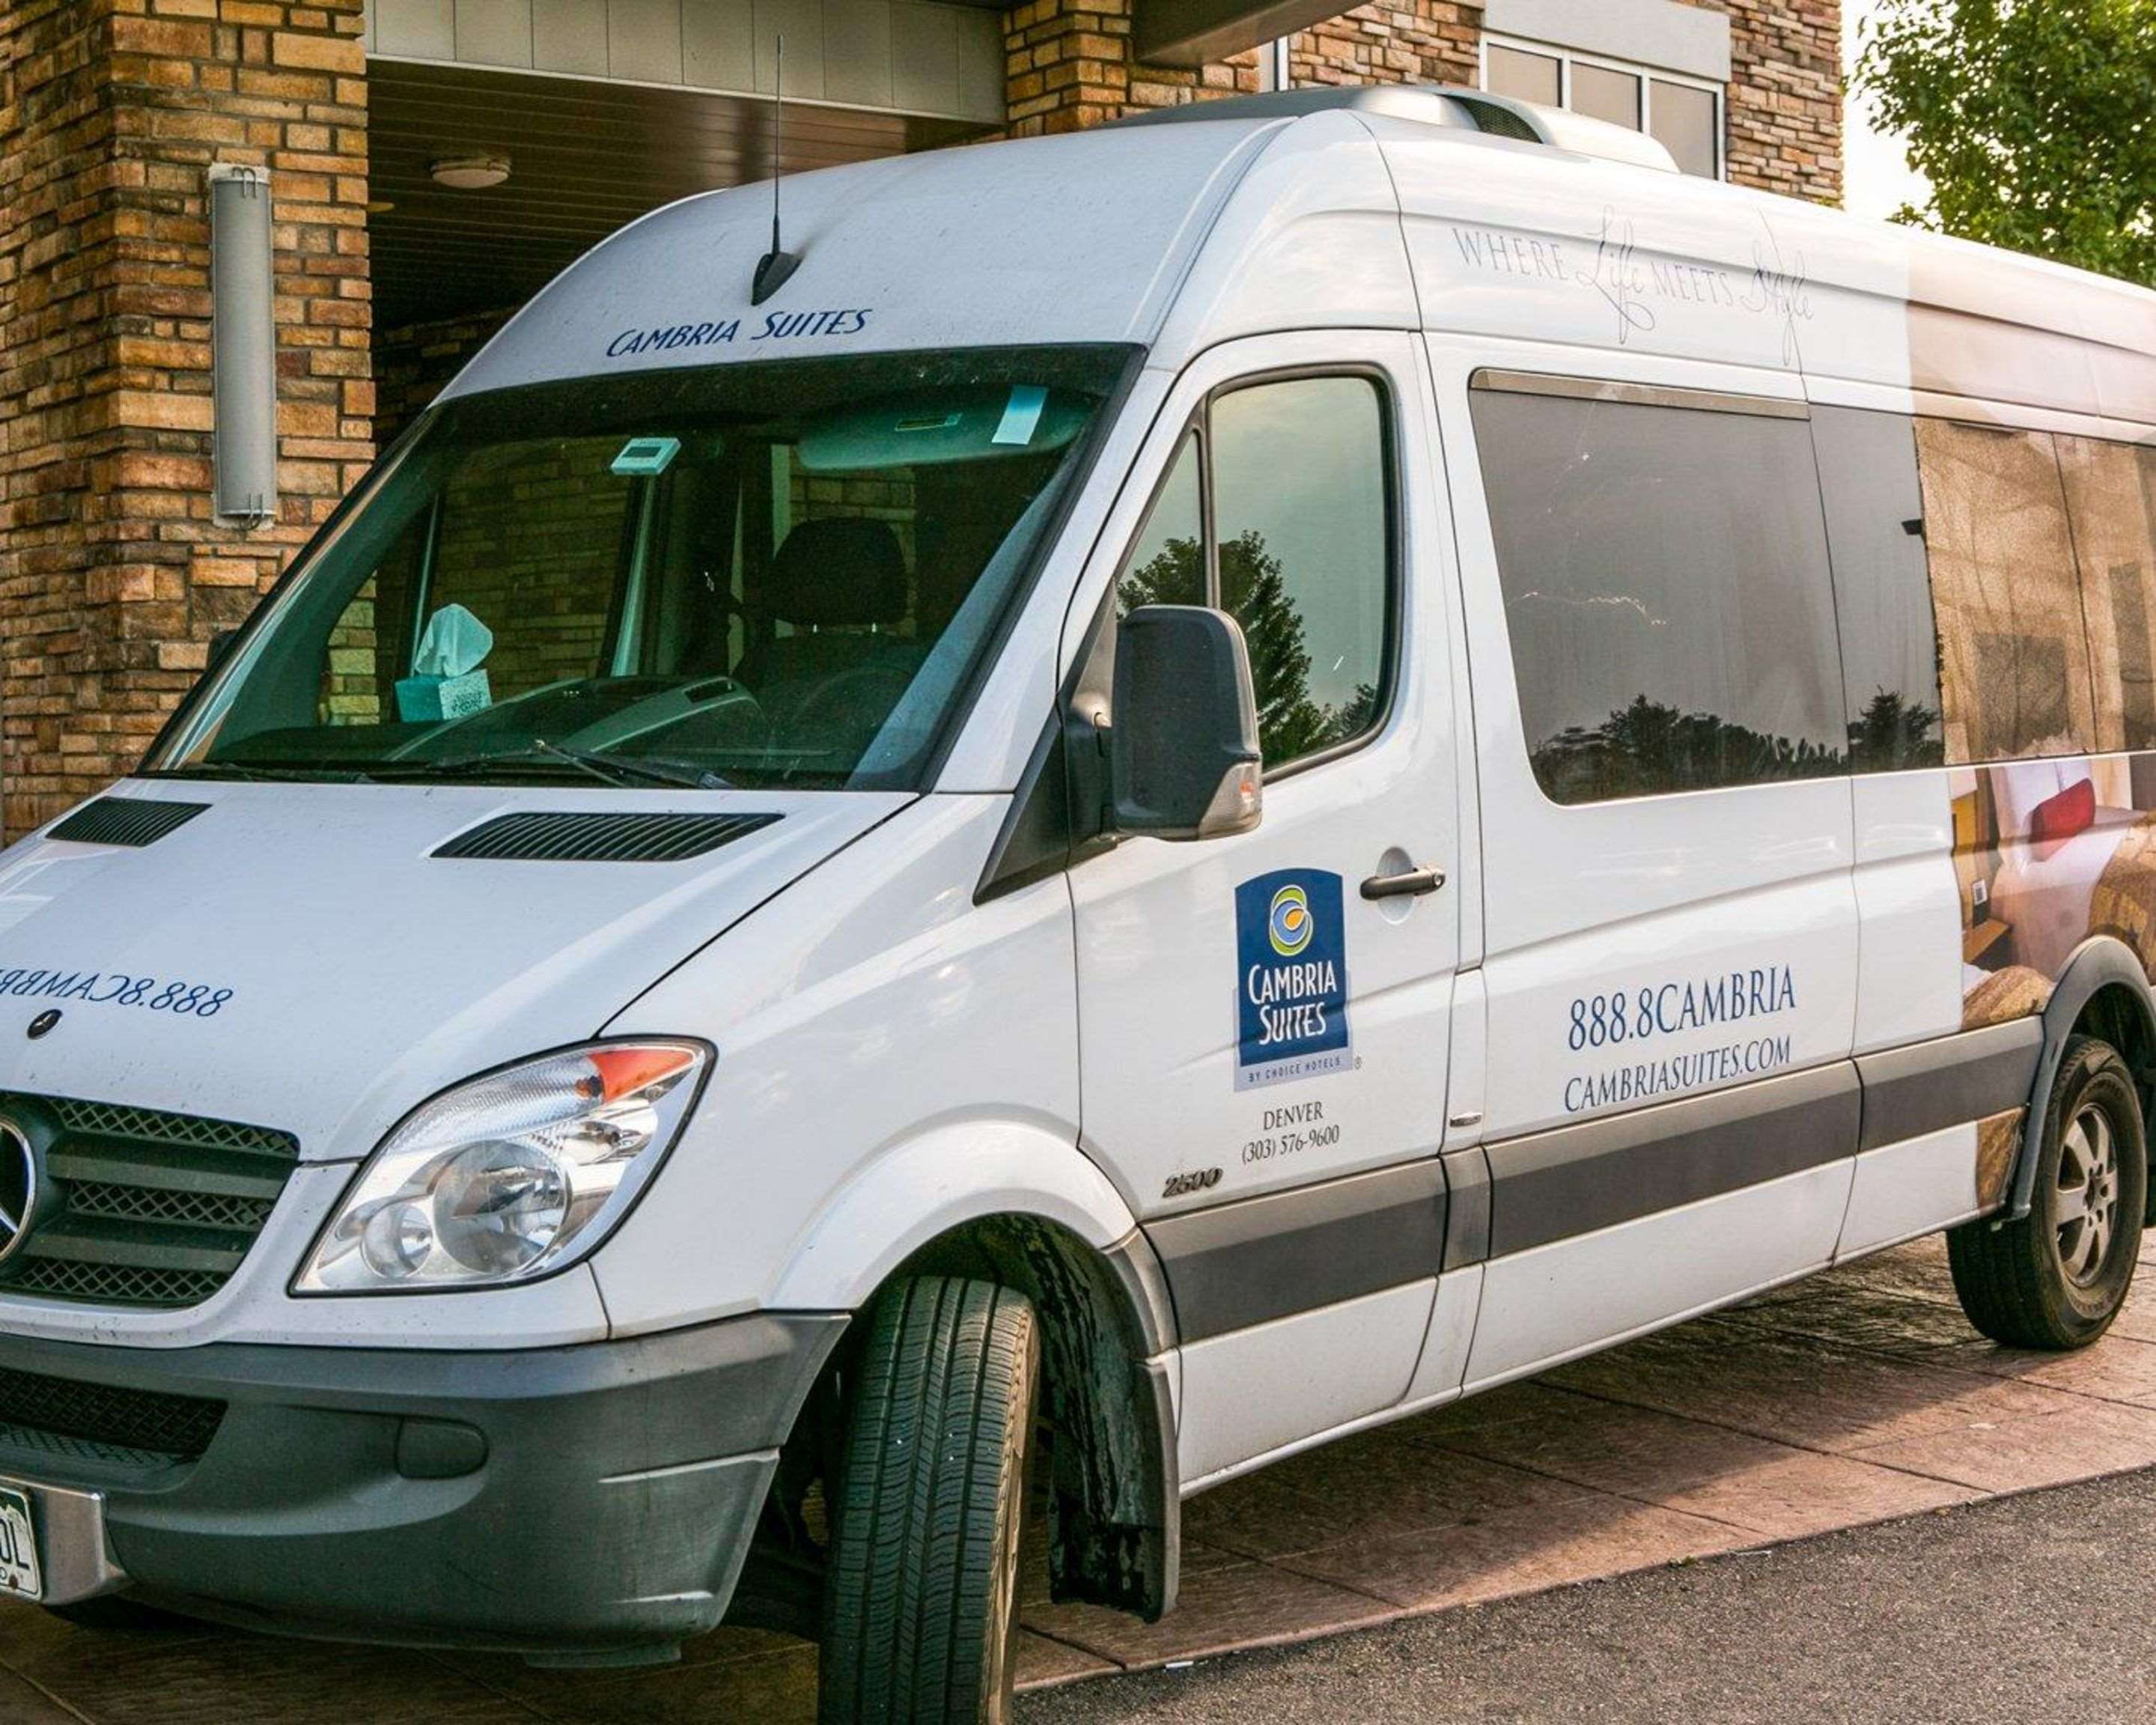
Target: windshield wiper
279,772
609,769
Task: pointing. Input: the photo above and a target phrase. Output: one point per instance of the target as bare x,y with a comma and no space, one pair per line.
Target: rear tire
2056,1278
921,1589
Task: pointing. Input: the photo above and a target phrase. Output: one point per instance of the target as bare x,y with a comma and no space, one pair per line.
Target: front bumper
551,1500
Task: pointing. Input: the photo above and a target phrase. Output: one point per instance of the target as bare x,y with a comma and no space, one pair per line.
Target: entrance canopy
604,112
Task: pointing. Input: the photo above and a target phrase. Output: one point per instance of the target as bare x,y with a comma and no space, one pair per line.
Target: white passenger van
1216,781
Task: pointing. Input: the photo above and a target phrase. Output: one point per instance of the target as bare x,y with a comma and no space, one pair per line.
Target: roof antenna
776,266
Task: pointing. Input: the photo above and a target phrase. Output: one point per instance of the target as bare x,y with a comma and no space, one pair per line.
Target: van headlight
511,1175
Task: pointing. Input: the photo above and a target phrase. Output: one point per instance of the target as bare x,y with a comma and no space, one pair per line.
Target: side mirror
1183,745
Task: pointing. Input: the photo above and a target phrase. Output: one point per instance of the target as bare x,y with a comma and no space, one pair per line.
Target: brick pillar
1066,65
1069,62
1784,126
112,575
1415,41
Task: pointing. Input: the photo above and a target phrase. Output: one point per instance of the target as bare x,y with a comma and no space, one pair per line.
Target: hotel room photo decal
2043,562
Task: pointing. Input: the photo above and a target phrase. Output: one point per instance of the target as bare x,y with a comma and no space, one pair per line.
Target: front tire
2056,1278
921,1588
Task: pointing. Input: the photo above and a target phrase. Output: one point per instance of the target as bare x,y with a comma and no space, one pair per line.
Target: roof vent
1435,104
125,820
601,837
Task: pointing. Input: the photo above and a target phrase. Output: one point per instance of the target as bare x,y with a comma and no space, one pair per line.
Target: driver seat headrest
838,572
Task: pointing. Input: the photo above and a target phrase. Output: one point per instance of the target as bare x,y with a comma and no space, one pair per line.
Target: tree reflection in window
1648,748
1893,733
1254,591
1298,514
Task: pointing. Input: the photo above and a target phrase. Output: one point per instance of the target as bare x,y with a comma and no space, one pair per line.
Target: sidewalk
1857,1396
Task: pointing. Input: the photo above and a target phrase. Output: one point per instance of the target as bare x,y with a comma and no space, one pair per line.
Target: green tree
2034,122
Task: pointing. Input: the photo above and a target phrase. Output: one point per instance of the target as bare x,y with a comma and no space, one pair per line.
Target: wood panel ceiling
586,158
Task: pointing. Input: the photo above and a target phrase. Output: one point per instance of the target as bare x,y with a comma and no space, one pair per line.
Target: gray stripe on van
1466,1206
1574,1179
1255,1259
1950,1080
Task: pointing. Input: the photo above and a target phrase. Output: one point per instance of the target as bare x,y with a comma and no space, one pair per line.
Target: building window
1683,114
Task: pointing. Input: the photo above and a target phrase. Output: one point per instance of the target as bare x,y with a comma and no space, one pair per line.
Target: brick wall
113,577
1784,99
531,538
1070,66
529,542
1428,42
414,362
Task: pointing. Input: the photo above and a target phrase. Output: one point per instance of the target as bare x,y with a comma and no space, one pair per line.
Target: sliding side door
1671,921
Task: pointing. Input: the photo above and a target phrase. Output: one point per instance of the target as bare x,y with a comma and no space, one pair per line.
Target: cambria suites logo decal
1289,922
1290,977
727,332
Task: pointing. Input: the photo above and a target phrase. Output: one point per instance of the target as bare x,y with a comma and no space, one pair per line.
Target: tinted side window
1278,510
1882,588
1667,592
1167,566
2014,649
1301,511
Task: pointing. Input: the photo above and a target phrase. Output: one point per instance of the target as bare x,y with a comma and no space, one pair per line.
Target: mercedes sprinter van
1210,782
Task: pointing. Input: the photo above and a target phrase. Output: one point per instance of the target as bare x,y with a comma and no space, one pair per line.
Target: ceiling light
470,173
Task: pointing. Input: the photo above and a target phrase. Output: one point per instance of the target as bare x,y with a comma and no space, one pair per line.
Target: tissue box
427,700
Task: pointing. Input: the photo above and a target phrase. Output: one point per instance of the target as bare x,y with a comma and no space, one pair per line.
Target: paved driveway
2025,1610
1860,1396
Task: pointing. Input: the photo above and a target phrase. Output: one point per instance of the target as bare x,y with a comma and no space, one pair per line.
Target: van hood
341,970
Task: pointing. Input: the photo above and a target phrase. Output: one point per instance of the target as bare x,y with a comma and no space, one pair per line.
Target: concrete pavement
2031,1609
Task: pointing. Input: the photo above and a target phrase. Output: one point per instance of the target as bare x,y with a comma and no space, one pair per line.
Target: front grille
116,1284
125,1423
153,1204
114,1120
141,1207
603,836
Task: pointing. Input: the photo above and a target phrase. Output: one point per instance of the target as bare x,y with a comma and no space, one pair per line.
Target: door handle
1412,883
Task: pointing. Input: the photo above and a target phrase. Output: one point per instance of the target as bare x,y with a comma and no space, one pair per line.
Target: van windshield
768,574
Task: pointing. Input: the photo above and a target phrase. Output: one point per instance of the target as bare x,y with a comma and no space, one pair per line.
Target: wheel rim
2085,1206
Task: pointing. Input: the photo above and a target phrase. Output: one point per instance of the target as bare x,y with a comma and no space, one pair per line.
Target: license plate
18,1547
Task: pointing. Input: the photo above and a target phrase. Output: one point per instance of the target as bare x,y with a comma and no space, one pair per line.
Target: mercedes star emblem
18,1187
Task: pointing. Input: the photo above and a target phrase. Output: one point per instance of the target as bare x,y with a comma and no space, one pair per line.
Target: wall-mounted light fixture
242,348
470,173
